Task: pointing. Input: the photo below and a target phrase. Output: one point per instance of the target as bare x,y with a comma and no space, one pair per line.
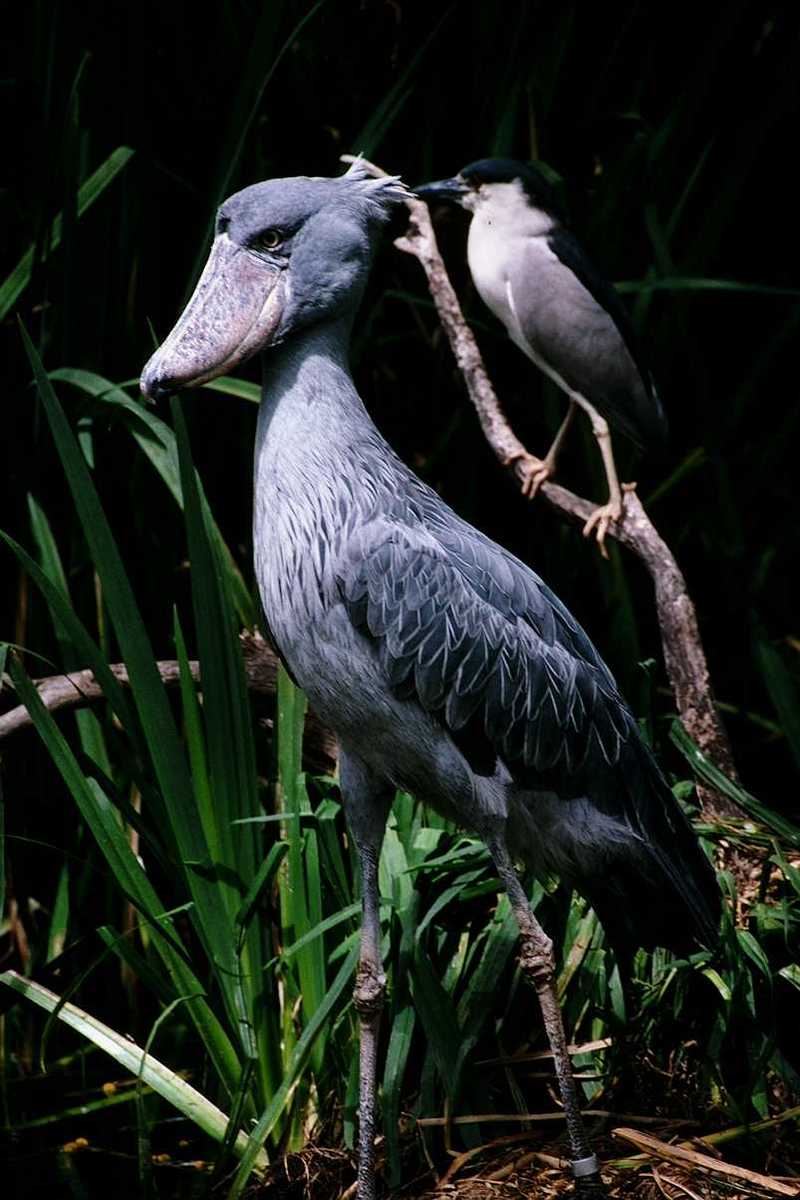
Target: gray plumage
445,665
426,645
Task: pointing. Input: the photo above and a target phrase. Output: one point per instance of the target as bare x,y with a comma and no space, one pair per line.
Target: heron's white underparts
445,665
558,309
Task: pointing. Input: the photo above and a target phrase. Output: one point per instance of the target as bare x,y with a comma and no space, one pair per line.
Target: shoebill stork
559,310
445,665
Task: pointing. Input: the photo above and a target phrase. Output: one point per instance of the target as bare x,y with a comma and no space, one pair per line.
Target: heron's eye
270,239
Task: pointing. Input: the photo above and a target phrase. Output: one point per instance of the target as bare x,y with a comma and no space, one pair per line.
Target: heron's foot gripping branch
613,512
532,472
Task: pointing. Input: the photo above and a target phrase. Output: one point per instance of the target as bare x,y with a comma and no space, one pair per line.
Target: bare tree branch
684,656
80,688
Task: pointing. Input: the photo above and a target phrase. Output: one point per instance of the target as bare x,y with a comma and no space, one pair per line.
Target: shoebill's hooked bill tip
235,310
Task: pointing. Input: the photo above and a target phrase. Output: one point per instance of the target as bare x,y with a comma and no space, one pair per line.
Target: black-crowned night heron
445,665
556,307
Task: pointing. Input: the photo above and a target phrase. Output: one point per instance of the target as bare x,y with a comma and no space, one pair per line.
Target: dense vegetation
167,864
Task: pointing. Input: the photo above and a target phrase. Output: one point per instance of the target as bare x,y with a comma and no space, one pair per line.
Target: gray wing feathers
469,635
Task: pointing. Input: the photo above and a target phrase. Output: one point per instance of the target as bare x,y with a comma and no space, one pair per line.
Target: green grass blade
59,917
230,753
480,994
133,1058
705,769
49,557
791,974
235,1120
293,1072
84,647
89,728
154,436
157,442
164,744
300,904
14,285
331,922
262,883
337,881
156,981
397,1054
579,942
102,819
195,743
148,690
435,1010
243,389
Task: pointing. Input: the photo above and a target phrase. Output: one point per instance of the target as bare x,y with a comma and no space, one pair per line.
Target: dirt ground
522,1167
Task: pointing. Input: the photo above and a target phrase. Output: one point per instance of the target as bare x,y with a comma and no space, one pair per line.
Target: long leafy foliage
268,998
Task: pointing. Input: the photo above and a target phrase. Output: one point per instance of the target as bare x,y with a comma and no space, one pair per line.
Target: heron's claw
535,472
605,515
599,522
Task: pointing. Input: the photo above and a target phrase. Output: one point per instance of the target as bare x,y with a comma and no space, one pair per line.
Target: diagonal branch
684,657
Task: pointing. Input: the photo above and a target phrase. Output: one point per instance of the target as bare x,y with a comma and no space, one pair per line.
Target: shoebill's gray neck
310,370
312,426
309,404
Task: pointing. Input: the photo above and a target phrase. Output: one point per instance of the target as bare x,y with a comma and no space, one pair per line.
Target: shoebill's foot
607,514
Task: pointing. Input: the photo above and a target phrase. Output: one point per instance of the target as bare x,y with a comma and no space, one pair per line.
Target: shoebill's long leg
538,963
367,800
602,517
538,470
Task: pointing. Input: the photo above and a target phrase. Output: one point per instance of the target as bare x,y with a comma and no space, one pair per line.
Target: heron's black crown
536,186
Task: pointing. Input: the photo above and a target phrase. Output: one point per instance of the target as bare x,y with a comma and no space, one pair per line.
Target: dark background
675,142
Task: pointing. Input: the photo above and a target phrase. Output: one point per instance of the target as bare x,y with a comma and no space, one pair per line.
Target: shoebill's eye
270,239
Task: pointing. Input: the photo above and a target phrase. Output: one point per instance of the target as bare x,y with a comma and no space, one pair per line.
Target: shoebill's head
286,253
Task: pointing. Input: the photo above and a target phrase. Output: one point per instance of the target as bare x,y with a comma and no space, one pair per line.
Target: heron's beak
444,189
235,310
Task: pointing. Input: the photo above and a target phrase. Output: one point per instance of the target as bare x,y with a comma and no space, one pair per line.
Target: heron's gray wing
576,325
570,252
458,628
